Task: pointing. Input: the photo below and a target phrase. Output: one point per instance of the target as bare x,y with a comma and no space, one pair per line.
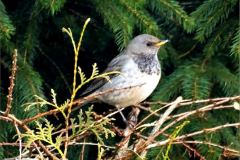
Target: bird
139,64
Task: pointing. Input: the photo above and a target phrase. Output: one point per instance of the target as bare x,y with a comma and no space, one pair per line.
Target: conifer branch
125,41
189,51
58,69
138,15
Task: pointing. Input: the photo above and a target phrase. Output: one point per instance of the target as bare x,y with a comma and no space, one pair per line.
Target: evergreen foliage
200,62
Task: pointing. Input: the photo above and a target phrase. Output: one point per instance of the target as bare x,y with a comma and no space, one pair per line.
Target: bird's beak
162,42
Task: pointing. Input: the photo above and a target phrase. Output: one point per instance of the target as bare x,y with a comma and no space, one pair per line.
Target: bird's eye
149,44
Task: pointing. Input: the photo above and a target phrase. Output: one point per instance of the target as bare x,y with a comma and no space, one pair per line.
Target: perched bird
139,64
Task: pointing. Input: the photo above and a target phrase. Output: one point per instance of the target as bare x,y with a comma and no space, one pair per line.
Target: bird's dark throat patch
148,63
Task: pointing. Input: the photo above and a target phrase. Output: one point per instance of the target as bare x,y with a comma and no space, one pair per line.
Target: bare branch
186,115
199,110
161,121
207,130
235,152
76,102
38,142
10,88
148,109
194,151
20,140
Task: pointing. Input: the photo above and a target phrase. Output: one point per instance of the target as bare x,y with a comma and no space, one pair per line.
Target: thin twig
83,147
184,116
145,145
12,144
207,130
189,101
189,51
77,102
58,69
194,151
38,142
209,100
211,144
148,109
40,153
161,121
199,110
154,103
93,144
20,140
5,118
169,104
10,88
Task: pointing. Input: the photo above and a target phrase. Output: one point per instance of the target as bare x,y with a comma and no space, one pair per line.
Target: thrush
139,64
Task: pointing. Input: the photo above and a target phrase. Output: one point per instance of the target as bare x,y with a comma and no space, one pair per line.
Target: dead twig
199,110
194,151
235,152
76,102
207,130
161,121
10,88
148,109
19,139
186,115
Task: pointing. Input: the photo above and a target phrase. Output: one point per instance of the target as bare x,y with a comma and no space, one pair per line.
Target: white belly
131,96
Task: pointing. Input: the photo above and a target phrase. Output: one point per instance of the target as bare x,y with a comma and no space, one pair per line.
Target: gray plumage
140,65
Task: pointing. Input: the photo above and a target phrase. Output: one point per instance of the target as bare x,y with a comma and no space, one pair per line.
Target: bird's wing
115,65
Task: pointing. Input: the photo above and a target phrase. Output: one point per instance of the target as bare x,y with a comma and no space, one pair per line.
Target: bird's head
145,44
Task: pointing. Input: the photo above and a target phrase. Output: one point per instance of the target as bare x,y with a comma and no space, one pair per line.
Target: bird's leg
131,120
124,119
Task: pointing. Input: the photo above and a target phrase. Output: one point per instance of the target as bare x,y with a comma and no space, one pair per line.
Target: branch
161,121
149,110
189,51
235,152
38,142
20,140
207,130
153,112
141,145
6,118
194,151
199,110
10,88
77,102
183,117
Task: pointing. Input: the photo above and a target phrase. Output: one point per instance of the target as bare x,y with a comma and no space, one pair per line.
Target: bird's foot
131,121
